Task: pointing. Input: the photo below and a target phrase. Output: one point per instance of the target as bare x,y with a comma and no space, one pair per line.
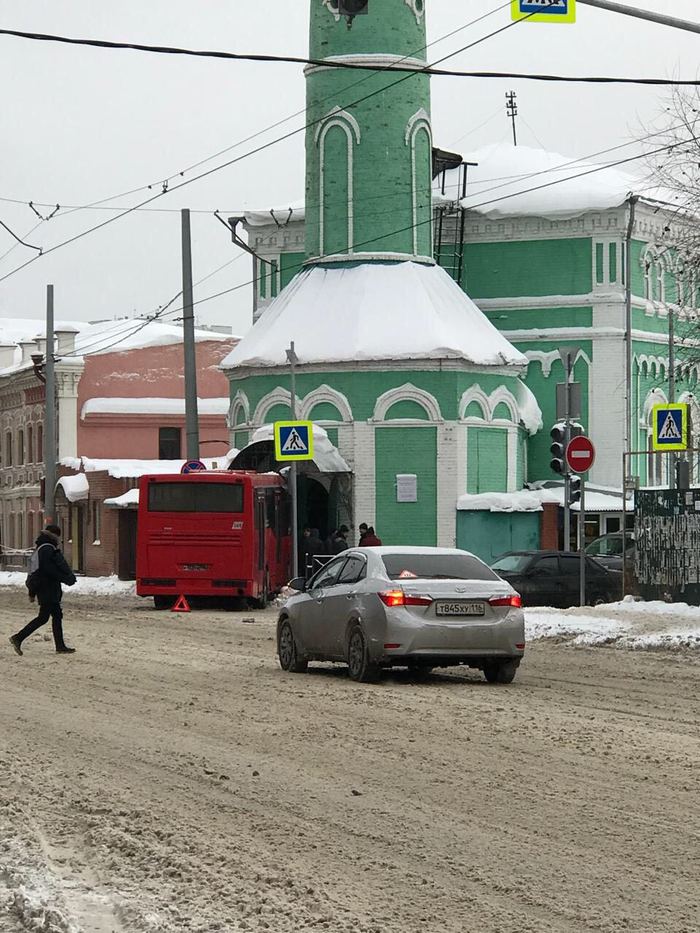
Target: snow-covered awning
326,456
523,501
128,500
75,488
374,311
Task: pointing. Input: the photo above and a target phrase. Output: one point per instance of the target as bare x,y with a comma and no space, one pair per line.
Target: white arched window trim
239,403
489,404
407,393
323,394
349,125
419,122
278,396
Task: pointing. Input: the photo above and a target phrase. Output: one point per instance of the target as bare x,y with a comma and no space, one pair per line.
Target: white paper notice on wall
406,487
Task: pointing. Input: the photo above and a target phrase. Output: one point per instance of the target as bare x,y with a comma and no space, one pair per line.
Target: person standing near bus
368,537
45,582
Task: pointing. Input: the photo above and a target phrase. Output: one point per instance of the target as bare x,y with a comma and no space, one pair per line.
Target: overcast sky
78,125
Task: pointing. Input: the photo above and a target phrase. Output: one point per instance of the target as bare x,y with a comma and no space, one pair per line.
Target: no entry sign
580,454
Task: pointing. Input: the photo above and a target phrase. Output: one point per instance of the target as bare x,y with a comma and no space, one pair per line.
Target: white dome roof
373,311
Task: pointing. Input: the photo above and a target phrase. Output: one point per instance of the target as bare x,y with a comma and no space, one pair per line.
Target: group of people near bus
312,544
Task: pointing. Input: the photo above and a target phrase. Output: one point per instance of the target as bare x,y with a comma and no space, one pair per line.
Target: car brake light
513,601
399,598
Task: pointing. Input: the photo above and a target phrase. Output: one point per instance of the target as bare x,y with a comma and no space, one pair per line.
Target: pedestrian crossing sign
544,11
294,440
670,427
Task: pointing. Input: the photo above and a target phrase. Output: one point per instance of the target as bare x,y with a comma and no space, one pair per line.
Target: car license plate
459,609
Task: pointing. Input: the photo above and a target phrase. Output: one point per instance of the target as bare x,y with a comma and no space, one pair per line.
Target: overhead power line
351,66
168,189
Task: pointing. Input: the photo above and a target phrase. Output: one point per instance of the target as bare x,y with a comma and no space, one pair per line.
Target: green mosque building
416,394
415,385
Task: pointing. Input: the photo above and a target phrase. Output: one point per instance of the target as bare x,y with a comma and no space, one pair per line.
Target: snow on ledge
152,406
76,488
125,501
133,469
524,501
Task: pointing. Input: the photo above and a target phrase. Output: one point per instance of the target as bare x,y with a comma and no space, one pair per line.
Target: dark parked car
552,578
607,550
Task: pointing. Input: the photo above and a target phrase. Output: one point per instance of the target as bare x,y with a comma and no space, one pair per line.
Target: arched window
419,140
20,447
336,138
30,443
40,443
8,449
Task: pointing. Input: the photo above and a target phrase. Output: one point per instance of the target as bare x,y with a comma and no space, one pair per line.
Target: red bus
219,533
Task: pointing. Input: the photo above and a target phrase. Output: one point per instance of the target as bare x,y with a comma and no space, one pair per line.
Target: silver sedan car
415,607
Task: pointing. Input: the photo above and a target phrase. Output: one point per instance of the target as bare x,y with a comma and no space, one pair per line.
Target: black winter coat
53,571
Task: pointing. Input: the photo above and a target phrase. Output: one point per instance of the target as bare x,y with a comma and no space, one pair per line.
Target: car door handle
350,595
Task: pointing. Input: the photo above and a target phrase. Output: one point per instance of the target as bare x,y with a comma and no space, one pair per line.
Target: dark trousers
46,610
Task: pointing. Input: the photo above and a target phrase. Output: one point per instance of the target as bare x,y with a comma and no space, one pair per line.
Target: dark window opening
169,443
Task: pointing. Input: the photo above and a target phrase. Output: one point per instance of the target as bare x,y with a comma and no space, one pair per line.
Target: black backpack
33,580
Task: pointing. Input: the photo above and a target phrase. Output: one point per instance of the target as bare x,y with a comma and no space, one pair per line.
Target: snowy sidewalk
85,586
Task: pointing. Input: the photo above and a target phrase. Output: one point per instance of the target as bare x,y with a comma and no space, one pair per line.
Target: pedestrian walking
368,537
44,582
339,541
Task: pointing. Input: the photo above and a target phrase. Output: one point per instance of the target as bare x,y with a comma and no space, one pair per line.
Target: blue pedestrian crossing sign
294,440
544,11
669,427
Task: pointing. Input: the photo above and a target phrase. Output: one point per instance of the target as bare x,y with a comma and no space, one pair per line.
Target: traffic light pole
582,543
567,440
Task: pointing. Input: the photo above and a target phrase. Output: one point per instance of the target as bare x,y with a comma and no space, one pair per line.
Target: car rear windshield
510,563
195,497
436,567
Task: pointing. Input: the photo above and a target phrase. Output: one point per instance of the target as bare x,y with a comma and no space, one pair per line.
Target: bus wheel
287,651
162,602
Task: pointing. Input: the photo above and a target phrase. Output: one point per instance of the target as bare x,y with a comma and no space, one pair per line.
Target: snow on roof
373,311
598,499
118,336
127,500
326,456
281,215
132,469
498,186
523,501
103,337
152,406
76,488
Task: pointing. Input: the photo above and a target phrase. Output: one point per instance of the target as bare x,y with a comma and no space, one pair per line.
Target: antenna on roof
512,111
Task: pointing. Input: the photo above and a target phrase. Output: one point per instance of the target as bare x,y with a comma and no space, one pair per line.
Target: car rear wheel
287,651
360,668
500,672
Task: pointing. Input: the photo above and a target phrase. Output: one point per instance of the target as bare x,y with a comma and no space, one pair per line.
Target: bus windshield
195,497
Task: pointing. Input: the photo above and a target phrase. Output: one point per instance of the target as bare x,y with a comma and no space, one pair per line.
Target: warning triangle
294,443
670,430
181,605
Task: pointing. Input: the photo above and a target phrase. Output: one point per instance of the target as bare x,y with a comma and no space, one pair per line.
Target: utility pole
673,460
568,367
49,452
191,414
582,543
660,18
628,440
512,111
293,359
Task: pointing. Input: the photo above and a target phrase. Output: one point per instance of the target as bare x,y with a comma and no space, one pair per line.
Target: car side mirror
298,583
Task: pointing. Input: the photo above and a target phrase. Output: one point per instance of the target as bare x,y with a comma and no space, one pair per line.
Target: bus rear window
195,497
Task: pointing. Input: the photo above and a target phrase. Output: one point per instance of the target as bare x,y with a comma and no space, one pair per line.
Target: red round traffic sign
580,454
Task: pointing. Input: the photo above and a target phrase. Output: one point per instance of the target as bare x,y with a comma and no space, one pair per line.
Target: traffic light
574,490
353,7
558,447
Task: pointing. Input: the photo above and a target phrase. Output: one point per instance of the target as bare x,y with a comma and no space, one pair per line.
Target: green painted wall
490,534
540,318
406,409
487,459
406,450
534,267
325,411
290,265
362,389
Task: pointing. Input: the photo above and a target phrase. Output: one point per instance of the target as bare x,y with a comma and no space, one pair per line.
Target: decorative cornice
237,373
379,61
370,257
